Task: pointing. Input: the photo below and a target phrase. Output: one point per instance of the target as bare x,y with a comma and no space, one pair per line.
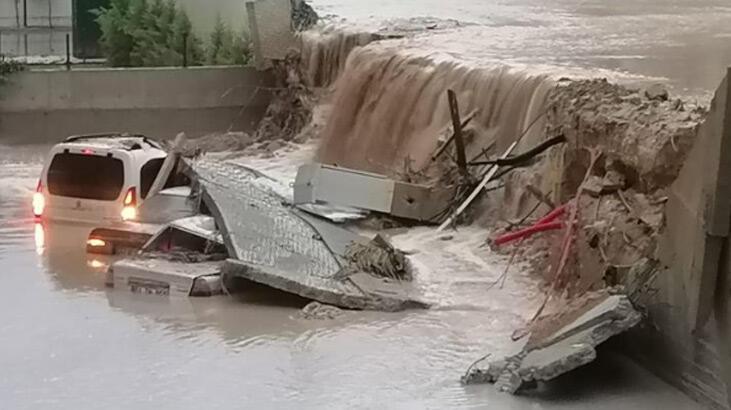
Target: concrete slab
272,243
568,348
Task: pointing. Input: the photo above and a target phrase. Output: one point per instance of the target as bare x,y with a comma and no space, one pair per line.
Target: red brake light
87,151
39,201
130,199
129,211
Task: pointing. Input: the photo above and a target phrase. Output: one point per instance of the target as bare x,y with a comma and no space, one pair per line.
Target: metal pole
25,13
185,50
457,125
68,51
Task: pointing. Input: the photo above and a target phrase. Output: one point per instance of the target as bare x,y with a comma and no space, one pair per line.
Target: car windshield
86,176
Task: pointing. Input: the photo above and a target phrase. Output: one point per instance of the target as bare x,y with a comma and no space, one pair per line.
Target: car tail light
39,201
129,211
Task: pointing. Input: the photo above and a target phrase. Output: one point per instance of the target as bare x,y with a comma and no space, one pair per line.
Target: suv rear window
86,176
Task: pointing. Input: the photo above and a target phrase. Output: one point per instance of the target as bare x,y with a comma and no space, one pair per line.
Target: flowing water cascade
390,107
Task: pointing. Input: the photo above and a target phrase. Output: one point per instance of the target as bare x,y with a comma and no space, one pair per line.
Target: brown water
390,106
684,43
67,342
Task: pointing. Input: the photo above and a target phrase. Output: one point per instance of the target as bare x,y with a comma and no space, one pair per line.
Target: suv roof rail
150,141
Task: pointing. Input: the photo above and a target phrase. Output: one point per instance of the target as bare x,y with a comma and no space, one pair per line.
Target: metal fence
34,42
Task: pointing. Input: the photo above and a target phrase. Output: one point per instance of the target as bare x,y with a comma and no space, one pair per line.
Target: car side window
148,173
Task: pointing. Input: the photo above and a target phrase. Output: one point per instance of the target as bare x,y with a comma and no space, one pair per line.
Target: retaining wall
48,105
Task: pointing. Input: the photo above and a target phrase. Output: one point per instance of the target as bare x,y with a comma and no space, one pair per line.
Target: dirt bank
642,141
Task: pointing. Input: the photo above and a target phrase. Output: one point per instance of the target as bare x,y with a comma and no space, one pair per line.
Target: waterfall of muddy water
390,107
682,43
324,53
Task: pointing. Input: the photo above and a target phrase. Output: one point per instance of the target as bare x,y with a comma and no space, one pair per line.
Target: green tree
226,47
183,28
153,32
115,41
215,48
141,34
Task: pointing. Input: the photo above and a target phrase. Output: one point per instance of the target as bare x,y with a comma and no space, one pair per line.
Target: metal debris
380,259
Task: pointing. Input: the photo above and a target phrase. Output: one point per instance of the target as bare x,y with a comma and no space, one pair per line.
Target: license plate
148,287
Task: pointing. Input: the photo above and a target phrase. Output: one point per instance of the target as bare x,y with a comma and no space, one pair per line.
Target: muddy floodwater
683,43
67,342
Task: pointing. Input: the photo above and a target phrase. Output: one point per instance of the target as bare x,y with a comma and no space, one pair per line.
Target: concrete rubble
272,243
566,349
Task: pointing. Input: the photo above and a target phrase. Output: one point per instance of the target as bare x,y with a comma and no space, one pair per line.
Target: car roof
118,141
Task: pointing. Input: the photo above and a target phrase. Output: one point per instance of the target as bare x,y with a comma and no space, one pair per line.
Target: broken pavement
571,346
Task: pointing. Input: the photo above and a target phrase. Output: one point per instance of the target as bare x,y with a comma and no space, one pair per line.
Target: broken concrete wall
272,34
558,350
689,332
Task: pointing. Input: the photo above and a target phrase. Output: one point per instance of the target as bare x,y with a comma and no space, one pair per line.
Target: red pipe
524,233
553,215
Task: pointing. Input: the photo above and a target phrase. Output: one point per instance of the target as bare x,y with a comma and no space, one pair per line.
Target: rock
678,105
594,186
657,92
274,146
612,182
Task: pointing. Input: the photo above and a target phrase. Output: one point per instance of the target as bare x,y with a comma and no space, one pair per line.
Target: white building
57,13
39,27
35,13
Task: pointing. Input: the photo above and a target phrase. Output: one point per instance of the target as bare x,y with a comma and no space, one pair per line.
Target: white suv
97,178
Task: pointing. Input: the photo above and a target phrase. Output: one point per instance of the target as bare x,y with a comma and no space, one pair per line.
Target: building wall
46,106
202,13
38,13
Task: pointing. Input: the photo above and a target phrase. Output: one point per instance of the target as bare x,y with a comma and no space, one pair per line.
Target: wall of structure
48,105
40,13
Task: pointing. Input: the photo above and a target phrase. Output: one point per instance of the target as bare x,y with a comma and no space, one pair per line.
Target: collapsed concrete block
273,243
566,349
